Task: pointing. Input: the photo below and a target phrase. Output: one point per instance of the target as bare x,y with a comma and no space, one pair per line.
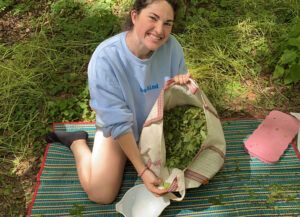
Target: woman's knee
103,197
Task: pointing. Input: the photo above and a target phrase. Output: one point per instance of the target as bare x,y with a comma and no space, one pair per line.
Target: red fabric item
272,137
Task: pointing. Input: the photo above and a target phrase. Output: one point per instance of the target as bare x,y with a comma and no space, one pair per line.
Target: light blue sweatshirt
124,88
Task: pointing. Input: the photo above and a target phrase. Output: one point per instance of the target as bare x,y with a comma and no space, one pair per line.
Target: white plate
139,202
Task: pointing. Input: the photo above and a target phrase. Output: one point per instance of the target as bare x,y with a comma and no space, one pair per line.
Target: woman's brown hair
139,5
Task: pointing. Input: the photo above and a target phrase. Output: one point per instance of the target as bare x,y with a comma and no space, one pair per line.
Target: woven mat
244,187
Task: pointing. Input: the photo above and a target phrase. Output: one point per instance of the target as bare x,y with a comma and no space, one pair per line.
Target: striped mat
244,187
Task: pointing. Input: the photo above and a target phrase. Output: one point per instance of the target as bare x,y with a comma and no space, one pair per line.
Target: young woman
126,74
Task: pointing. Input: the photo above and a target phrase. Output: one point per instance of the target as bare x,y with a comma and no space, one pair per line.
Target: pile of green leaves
184,132
288,66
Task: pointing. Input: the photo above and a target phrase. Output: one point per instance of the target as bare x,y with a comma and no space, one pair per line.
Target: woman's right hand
152,183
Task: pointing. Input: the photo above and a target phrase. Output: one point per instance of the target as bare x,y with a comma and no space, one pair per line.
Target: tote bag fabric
207,161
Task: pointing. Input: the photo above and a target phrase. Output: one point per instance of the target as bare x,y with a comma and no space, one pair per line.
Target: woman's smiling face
153,25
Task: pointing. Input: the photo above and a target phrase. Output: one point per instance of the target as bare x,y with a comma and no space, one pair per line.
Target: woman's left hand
182,79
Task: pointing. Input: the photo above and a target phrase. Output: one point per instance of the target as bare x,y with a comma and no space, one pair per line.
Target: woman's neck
138,49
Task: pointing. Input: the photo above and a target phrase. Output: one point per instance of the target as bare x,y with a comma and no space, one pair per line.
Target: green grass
231,49
229,43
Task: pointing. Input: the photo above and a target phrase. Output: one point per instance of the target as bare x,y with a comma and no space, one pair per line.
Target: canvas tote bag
207,161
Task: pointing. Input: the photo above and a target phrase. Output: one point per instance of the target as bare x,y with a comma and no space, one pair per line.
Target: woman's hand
152,182
182,79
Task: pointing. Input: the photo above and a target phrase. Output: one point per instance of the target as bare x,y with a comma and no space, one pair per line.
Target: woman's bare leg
100,171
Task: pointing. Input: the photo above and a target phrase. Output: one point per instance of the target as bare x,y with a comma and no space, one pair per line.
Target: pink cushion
272,137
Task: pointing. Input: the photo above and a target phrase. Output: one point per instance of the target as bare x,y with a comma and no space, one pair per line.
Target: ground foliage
231,47
184,132
288,65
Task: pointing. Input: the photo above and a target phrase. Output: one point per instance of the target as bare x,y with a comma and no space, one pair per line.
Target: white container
138,201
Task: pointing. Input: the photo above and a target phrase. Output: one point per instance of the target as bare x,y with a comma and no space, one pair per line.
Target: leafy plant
288,66
184,132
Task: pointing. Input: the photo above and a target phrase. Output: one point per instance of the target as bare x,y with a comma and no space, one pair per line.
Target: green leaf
295,42
279,72
289,56
77,210
293,74
215,200
166,185
295,31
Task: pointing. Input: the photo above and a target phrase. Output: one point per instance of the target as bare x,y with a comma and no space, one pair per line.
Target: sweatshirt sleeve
113,115
178,57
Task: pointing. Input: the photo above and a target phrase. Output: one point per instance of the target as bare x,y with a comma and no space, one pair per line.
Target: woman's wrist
141,173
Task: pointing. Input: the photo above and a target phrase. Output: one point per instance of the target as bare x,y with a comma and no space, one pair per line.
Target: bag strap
294,142
176,178
295,148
